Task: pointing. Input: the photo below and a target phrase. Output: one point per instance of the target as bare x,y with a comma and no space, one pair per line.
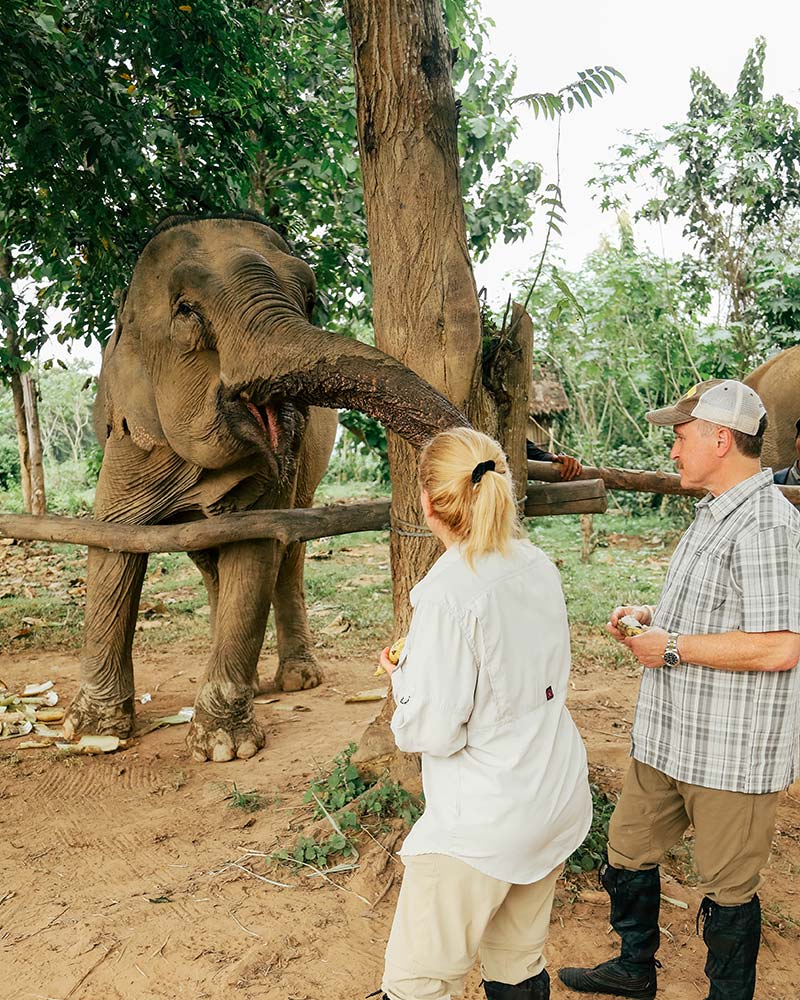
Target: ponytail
467,479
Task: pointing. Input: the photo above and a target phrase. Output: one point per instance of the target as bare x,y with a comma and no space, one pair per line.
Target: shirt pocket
708,595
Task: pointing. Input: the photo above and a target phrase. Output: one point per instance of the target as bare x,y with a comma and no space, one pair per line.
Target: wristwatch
672,657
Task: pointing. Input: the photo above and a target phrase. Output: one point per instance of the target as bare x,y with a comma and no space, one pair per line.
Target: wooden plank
581,496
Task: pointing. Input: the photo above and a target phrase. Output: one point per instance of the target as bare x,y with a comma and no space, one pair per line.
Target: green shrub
592,852
9,462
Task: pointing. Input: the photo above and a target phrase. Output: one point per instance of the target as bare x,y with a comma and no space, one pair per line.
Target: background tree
623,334
731,173
111,118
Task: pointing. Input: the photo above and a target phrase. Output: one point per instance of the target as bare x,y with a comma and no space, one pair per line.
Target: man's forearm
742,651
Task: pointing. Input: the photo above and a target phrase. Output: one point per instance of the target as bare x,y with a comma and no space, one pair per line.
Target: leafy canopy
112,116
731,173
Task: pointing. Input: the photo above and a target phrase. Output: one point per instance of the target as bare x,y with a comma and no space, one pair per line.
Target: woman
480,690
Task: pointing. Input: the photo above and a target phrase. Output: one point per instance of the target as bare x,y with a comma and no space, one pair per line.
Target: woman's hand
385,663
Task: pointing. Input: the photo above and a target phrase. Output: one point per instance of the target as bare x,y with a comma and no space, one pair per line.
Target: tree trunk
15,380
38,500
22,441
425,307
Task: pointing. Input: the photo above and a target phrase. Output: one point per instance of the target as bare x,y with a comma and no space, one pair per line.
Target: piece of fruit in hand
394,654
629,626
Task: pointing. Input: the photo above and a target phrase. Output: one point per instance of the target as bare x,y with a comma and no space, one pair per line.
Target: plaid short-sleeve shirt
736,567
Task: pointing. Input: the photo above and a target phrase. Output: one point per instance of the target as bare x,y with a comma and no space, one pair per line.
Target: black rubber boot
732,935
535,988
635,902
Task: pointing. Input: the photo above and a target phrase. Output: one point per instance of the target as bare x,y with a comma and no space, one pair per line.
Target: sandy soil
116,871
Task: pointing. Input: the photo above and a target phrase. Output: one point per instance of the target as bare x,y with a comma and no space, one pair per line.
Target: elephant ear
126,402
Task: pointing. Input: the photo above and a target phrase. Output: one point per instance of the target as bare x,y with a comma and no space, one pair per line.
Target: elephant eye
184,309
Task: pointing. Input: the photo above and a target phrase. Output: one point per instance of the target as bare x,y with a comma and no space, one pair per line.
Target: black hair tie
480,469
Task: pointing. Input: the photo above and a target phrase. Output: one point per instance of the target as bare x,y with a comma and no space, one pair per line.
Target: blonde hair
483,514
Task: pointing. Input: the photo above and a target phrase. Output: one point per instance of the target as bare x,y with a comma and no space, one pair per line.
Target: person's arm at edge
770,652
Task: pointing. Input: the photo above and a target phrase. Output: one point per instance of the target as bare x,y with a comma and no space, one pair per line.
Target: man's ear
725,441
125,398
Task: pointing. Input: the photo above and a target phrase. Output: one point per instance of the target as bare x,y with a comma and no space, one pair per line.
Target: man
571,468
791,476
717,724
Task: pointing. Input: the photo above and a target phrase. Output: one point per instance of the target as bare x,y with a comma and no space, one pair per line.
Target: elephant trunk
299,362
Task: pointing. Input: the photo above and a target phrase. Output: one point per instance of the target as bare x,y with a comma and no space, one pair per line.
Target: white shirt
480,692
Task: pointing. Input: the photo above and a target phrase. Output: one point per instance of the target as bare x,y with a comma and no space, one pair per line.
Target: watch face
671,658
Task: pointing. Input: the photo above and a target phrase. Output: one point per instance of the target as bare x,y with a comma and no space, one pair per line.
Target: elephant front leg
104,702
224,724
297,666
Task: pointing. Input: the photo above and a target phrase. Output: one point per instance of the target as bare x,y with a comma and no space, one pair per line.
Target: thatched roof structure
547,398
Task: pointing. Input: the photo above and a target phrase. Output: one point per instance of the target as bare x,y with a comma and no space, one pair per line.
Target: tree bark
38,499
22,441
425,307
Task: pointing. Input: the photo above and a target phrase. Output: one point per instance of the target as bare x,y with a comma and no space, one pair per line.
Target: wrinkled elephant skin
216,394
777,382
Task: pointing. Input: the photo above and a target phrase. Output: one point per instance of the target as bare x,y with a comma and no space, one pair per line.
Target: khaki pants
448,913
732,831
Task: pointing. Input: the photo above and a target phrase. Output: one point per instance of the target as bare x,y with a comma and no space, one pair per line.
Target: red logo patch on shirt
549,694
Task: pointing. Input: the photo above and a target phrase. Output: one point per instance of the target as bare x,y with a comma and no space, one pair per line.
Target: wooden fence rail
638,482
285,525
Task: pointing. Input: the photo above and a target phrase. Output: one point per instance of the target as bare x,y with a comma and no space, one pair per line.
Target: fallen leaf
34,744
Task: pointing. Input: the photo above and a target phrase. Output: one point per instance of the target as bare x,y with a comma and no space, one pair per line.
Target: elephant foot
224,726
100,718
298,673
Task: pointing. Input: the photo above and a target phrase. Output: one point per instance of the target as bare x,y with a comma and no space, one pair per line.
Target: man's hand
641,612
571,468
648,648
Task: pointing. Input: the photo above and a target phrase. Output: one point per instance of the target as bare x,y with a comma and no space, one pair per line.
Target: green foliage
369,437
626,333
246,801
94,460
113,117
731,173
317,853
9,461
342,785
498,194
597,81
591,854
346,786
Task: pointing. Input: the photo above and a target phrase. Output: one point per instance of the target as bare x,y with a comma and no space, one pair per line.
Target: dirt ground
118,878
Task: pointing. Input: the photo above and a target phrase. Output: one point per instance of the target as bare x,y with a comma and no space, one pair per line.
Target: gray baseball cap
719,401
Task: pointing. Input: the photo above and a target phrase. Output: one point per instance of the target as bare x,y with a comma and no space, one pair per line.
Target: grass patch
248,802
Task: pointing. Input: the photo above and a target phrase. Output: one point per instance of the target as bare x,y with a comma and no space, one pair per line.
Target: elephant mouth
270,421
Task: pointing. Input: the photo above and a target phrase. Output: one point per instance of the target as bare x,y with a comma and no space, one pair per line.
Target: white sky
655,47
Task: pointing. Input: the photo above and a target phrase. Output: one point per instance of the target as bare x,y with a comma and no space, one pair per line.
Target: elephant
217,394
777,382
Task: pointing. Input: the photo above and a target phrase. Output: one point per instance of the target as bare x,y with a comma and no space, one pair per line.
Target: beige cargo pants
448,914
732,831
